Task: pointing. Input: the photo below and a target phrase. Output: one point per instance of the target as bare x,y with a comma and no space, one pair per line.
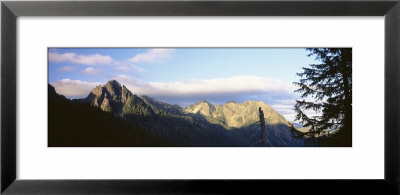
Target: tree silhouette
326,88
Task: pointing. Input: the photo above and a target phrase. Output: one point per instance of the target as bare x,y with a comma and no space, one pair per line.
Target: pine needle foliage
326,88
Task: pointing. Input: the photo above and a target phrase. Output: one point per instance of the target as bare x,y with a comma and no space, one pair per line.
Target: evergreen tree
326,88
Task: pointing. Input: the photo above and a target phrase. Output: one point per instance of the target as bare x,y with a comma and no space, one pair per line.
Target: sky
184,76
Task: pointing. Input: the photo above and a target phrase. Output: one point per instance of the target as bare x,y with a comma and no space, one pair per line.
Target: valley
199,125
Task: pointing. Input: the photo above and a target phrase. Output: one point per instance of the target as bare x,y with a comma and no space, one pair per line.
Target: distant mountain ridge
116,98
237,115
200,124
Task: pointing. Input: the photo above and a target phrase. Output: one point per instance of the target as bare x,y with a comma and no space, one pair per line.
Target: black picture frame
11,10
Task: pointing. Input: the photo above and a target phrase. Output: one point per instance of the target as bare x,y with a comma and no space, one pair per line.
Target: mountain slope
77,124
244,117
236,115
201,124
161,119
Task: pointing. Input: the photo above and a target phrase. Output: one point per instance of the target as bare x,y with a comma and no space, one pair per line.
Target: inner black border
11,10
202,47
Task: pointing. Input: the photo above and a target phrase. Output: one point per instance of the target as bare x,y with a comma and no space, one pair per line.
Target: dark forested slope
73,123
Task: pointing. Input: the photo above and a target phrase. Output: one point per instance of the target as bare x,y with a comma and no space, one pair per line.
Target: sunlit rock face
233,114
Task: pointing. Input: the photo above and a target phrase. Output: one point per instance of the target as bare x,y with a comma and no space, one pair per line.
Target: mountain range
235,115
201,124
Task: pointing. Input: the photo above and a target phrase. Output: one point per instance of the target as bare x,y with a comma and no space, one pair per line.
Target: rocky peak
233,114
116,98
108,97
113,82
114,89
203,107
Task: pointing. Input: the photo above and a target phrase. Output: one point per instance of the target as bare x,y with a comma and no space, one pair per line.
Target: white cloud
286,108
241,85
57,57
137,68
279,94
126,68
92,59
218,91
153,56
215,90
74,88
91,71
67,68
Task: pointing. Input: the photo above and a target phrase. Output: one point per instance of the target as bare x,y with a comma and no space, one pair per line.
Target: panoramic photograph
199,97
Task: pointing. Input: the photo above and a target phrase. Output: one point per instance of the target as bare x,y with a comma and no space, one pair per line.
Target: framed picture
210,105
188,97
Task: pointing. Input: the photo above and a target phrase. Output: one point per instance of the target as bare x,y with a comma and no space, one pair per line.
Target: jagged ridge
233,114
201,124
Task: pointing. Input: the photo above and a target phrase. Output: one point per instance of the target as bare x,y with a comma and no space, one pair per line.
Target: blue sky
184,76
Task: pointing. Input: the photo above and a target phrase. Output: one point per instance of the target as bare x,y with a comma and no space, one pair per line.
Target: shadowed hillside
72,123
113,115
